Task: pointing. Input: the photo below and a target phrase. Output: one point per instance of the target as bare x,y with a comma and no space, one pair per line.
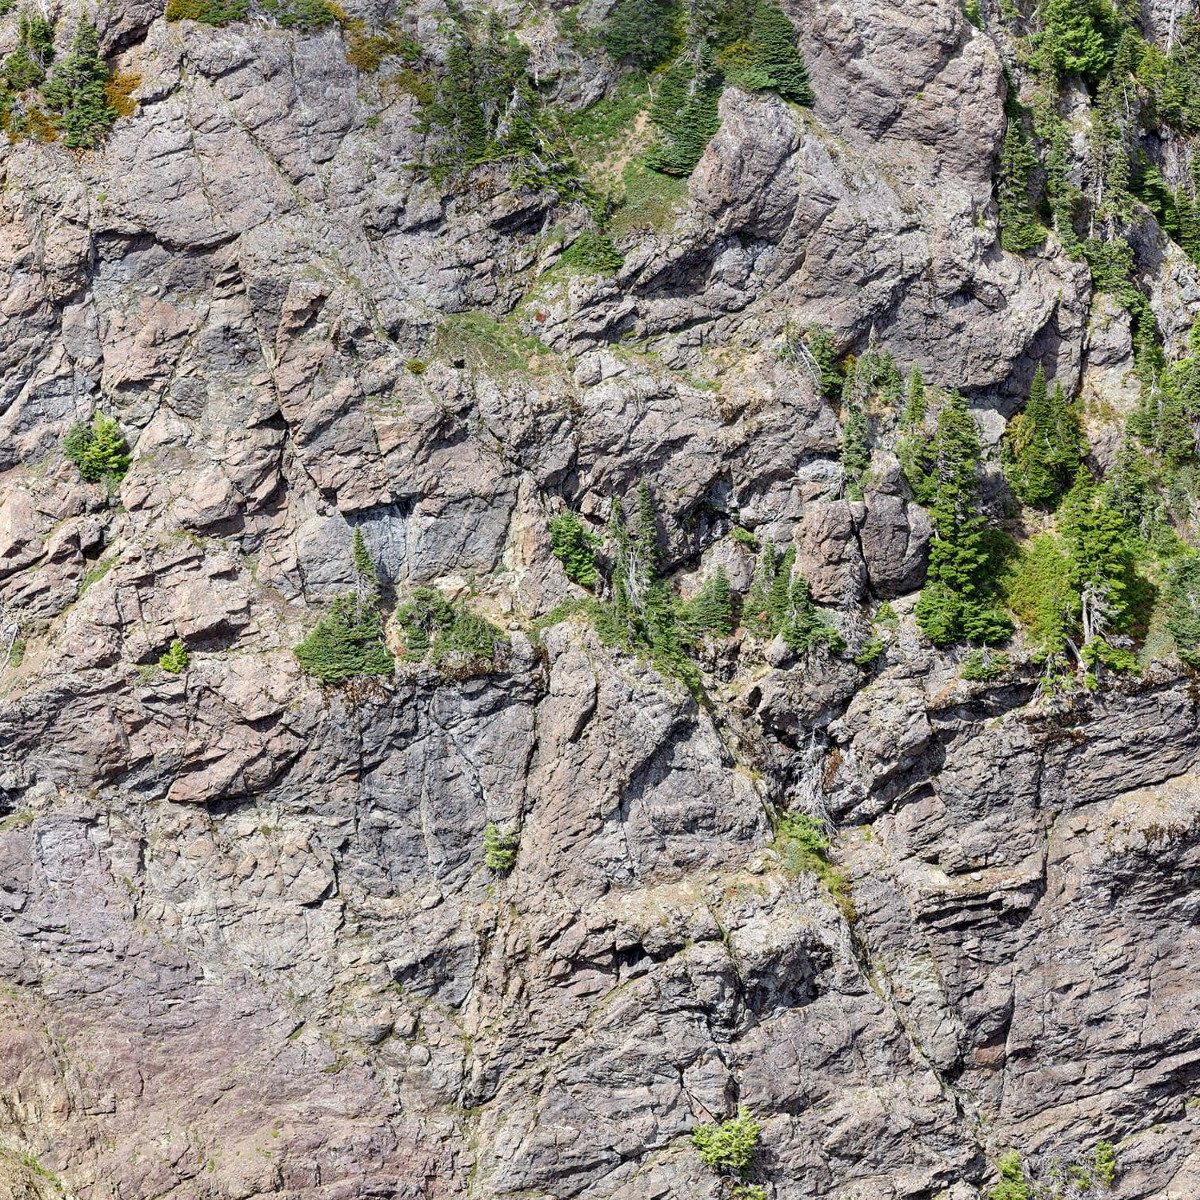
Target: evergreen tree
76,90
780,604
1187,212
1113,201
773,53
780,593
659,627
1020,230
1066,200
1166,418
26,66
645,533
756,612
1045,445
642,611
624,572
574,547
803,628
1178,94
1073,38
363,563
348,641
914,401
484,107
457,111
957,601
642,33
499,849
878,375
823,350
710,611
1100,562
1182,605
1131,487
856,451
98,449
426,613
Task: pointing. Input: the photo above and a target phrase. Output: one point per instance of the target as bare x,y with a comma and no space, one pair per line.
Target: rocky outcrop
250,943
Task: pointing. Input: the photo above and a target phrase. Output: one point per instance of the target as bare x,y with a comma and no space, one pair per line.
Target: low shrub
433,626
208,12
593,253
499,849
1012,1185
118,92
728,1147
871,651
304,16
175,661
984,666
98,449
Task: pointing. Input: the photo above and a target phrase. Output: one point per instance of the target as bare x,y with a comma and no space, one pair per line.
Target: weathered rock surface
249,944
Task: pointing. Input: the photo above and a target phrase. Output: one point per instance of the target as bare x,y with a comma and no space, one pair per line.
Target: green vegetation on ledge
75,98
499,849
803,847
348,642
728,1147
98,449
444,631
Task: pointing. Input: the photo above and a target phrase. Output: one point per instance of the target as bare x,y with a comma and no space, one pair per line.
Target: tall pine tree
1045,445
1072,37
958,600
1100,561
772,47
1020,230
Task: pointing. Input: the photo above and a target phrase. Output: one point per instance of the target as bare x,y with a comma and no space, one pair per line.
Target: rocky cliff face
250,944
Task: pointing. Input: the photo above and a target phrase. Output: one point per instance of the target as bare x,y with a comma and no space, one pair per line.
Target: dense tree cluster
69,98
1078,36
750,44
780,604
643,33
685,112
484,106
1020,227
1045,445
